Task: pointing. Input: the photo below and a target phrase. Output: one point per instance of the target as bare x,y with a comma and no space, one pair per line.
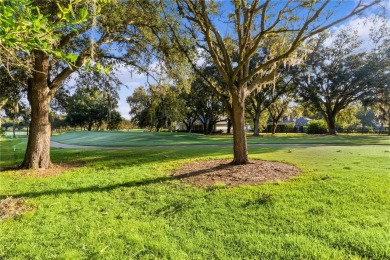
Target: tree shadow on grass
117,159
97,188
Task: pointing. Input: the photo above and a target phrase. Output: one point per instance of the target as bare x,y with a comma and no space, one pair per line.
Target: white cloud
386,5
123,108
131,82
363,27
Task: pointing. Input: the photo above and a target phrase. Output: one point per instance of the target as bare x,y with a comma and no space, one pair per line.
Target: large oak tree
281,26
335,75
124,31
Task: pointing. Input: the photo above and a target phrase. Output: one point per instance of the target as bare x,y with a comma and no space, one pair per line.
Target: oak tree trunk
38,93
204,128
331,121
240,148
210,127
188,126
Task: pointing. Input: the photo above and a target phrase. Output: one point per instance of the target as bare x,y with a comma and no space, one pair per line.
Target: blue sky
135,80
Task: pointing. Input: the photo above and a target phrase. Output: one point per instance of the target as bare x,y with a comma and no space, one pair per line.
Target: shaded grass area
123,204
151,138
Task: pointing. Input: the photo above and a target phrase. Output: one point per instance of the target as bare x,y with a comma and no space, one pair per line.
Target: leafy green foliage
317,127
23,28
347,117
203,103
156,108
366,116
115,121
12,81
335,76
91,107
277,110
280,31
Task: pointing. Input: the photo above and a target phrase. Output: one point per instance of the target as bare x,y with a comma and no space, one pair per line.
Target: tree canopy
100,34
243,43
279,29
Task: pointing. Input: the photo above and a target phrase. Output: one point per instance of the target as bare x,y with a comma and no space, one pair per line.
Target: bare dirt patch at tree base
209,173
12,207
54,170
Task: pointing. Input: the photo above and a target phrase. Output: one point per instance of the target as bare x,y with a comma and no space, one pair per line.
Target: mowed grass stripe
164,138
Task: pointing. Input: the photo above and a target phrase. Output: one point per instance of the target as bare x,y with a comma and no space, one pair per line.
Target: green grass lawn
123,205
150,139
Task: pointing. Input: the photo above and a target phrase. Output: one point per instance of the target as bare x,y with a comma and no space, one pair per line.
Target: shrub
286,128
368,129
317,127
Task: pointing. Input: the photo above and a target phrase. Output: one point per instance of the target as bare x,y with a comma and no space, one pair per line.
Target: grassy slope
147,139
122,204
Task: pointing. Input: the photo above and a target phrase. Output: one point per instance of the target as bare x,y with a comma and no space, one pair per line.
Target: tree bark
274,126
331,121
256,120
38,93
13,127
210,127
229,126
189,124
189,128
240,148
204,128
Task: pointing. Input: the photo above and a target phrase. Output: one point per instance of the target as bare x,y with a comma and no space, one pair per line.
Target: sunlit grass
150,139
123,204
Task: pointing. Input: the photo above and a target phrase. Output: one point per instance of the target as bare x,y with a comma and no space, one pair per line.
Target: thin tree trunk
13,128
229,126
38,147
210,127
240,148
188,127
204,128
274,126
256,125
